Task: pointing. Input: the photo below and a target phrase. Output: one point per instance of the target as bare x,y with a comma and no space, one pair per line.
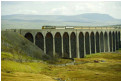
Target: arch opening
101,42
39,40
119,39
29,37
87,44
81,45
49,44
117,43
92,43
73,45
106,41
97,43
110,41
58,44
113,41
66,44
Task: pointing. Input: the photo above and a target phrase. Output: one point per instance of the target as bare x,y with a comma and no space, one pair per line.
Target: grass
59,61
20,76
6,55
109,70
90,71
28,67
15,57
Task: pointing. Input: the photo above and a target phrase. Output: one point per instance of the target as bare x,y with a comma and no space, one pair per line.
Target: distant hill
36,21
99,17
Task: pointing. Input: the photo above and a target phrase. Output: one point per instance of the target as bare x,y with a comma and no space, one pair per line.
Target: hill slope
15,43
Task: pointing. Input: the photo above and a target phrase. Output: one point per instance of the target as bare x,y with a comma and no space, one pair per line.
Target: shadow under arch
66,45
113,41
117,42
81,44
110,41
119,39
92,36
39,40
29,37
58,44
97,42
49,44
101,42
87,43
73,45
106,41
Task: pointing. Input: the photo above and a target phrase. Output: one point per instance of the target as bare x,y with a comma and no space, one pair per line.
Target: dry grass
110,70
20,76
88,70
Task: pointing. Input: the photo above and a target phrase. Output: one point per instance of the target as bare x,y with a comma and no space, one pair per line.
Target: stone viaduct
74,43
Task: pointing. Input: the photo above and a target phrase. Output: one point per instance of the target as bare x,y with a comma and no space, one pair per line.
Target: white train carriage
69,27
60,27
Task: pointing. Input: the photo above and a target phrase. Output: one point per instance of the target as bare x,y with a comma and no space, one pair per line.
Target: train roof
82,26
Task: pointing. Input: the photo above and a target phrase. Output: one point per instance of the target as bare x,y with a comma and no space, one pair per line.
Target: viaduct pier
74,43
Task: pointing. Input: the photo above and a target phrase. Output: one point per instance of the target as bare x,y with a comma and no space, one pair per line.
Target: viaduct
74,43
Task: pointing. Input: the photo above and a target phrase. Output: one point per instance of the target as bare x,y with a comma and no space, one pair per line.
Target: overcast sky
61,8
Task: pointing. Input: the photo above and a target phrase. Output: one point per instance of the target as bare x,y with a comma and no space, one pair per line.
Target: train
57,27
77,27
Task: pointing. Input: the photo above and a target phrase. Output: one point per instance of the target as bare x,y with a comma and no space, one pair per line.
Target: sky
113,8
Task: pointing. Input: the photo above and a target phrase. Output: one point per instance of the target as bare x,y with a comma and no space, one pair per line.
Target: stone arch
87,43
106,41
39,40
66,44
49,44
113,41
97,42
81,44
92,36
58,44
101,42
110,41
29,37
73,45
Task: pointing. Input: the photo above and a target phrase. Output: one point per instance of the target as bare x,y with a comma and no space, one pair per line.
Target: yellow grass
84,70
20,76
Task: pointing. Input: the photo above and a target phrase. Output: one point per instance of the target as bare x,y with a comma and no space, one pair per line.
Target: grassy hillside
20,57
17,45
